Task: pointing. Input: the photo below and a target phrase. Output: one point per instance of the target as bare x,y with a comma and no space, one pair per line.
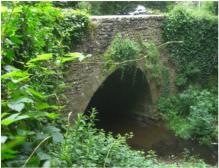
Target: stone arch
125,92
84,79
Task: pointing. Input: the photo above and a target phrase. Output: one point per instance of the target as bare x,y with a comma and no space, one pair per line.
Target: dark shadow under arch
124,94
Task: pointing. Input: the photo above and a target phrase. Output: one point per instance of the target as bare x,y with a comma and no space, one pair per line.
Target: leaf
42,155
3,139
52,115
13,118
43,106
4,114
36,93
75,54
57,137
19,105
15,74
37,114
42,57
16,106
19,80
51,129
63,59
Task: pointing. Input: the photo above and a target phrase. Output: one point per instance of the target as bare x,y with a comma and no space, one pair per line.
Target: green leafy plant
31,108
35,39
86,146
152,61
30,29
121,50
196,58
192,114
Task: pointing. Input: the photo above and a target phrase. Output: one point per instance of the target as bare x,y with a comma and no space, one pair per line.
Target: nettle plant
87,146
32,81
30,107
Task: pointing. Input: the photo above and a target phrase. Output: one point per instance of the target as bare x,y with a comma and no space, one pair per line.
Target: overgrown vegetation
86,146
192,113
196,57
32,29
34,50
124,51
120,51
36,42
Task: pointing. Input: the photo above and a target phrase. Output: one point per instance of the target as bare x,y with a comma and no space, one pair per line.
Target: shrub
121,49
86,146
192,114
31,108
30,29
32,79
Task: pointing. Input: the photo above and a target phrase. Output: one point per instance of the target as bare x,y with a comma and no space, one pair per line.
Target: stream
154,135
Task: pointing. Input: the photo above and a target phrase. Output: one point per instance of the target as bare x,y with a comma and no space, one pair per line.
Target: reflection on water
153,135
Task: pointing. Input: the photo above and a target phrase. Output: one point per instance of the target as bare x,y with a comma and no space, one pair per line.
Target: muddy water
153,135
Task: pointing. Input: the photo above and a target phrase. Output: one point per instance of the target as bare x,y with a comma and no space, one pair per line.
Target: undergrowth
86,146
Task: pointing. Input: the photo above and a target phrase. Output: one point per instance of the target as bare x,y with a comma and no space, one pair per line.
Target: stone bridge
87,81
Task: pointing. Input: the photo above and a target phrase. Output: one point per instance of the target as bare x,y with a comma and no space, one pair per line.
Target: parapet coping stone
120,17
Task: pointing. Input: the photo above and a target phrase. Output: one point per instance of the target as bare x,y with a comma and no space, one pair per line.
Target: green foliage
73,26
30,29
27,30
86,146
120,50
30,104
114,8
192,114
195,58
35,36
210,7
152,62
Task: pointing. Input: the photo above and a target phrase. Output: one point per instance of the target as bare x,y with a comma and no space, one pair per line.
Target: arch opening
123,102
123,96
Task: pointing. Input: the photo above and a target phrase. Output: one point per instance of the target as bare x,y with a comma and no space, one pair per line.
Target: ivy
196,58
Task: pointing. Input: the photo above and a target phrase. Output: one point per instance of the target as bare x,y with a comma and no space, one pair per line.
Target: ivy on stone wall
195,58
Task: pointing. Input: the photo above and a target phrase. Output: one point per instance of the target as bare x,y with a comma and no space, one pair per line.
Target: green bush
86,146
73,26
192,114
31,108
32,81
122,49
30,29
196,57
